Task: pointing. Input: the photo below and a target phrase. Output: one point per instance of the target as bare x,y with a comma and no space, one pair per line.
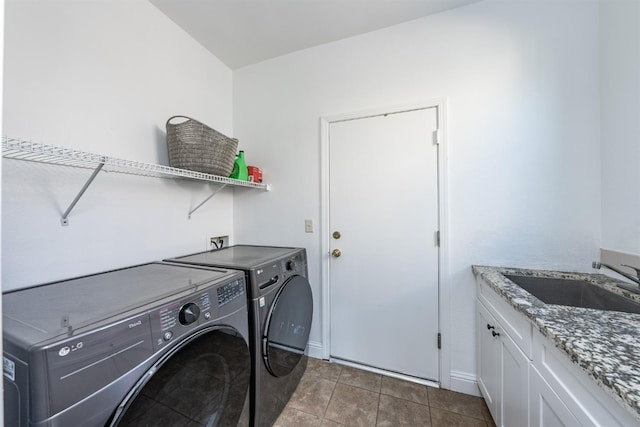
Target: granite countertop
604,344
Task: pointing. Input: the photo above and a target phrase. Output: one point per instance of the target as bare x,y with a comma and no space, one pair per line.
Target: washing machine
149,345
280,312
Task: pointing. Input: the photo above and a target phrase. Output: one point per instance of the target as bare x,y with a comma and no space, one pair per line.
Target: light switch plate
308,226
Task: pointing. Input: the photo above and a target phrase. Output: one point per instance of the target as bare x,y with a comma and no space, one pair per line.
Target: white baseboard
466,383
315,349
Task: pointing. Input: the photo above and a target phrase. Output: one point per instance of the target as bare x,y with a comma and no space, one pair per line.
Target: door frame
444,304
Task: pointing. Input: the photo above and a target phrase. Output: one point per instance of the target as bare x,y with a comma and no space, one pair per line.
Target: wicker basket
195,146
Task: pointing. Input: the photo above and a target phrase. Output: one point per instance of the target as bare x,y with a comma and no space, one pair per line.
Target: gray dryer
280,313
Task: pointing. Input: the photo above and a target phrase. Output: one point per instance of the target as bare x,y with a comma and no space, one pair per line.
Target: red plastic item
255,174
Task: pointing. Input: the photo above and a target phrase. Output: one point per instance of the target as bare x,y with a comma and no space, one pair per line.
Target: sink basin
575,293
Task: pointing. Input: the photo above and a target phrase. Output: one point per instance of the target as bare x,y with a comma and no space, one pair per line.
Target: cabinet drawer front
515,324
585,399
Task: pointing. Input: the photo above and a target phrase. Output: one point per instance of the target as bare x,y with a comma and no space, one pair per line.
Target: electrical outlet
217,242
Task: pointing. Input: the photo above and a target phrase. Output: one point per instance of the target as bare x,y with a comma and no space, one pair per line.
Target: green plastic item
240,168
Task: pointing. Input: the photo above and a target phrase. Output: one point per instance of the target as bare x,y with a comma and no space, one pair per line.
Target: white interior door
383,202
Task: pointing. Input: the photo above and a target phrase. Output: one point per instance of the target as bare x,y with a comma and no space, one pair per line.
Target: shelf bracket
207,199
65,220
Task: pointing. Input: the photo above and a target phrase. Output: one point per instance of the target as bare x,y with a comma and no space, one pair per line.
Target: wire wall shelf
18,149
42,153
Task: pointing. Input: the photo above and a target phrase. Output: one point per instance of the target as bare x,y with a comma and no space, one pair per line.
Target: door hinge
439,340
436,136
438,238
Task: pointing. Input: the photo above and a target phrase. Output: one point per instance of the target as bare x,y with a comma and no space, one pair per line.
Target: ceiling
244,32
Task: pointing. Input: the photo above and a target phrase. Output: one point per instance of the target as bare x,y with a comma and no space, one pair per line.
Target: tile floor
334,395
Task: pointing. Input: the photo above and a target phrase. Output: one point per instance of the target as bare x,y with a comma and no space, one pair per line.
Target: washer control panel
184,312
177,318
189,313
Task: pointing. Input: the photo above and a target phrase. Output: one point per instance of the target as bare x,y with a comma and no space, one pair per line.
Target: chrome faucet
597,265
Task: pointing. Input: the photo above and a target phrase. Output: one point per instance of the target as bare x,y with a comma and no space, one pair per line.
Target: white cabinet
546,408
527,381
587,403
503,371
514,385
488,358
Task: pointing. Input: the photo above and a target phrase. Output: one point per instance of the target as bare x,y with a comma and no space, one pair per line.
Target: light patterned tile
353,406
323,369
405,390
459,403
329,423
312,396
443,418
354,401
394,412
294,418
487,415
360,378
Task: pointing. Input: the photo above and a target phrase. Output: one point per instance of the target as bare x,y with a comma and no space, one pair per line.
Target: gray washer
280,313
86,351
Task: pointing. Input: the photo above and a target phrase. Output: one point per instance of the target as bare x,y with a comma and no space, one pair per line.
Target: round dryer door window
288,326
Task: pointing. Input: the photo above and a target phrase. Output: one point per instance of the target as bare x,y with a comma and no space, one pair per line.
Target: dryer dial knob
189,313
291,265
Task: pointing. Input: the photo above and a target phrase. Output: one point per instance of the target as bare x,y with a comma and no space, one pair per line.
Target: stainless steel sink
575,293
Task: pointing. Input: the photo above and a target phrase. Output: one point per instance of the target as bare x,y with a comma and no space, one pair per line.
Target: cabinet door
488,359
514,386
546,408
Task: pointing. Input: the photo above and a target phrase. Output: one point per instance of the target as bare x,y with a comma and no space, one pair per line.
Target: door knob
336,253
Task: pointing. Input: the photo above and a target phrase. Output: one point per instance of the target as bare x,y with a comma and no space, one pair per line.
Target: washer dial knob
292,265
189,313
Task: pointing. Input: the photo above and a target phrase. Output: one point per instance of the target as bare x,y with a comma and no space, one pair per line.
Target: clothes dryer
280,312
155,344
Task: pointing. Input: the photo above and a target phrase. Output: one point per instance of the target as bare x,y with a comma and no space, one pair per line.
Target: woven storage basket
195,146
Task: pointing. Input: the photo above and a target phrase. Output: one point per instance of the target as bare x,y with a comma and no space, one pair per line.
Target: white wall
103,76
521,79
1,91
620,115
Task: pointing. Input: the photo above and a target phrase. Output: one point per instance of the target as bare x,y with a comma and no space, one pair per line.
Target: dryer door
286,333
202,382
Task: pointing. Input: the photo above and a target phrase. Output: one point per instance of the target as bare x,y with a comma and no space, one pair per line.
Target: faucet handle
635,268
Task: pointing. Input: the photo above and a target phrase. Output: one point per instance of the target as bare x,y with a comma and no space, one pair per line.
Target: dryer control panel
264,277
295,265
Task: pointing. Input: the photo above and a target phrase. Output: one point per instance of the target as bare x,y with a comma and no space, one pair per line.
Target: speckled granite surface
605,344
